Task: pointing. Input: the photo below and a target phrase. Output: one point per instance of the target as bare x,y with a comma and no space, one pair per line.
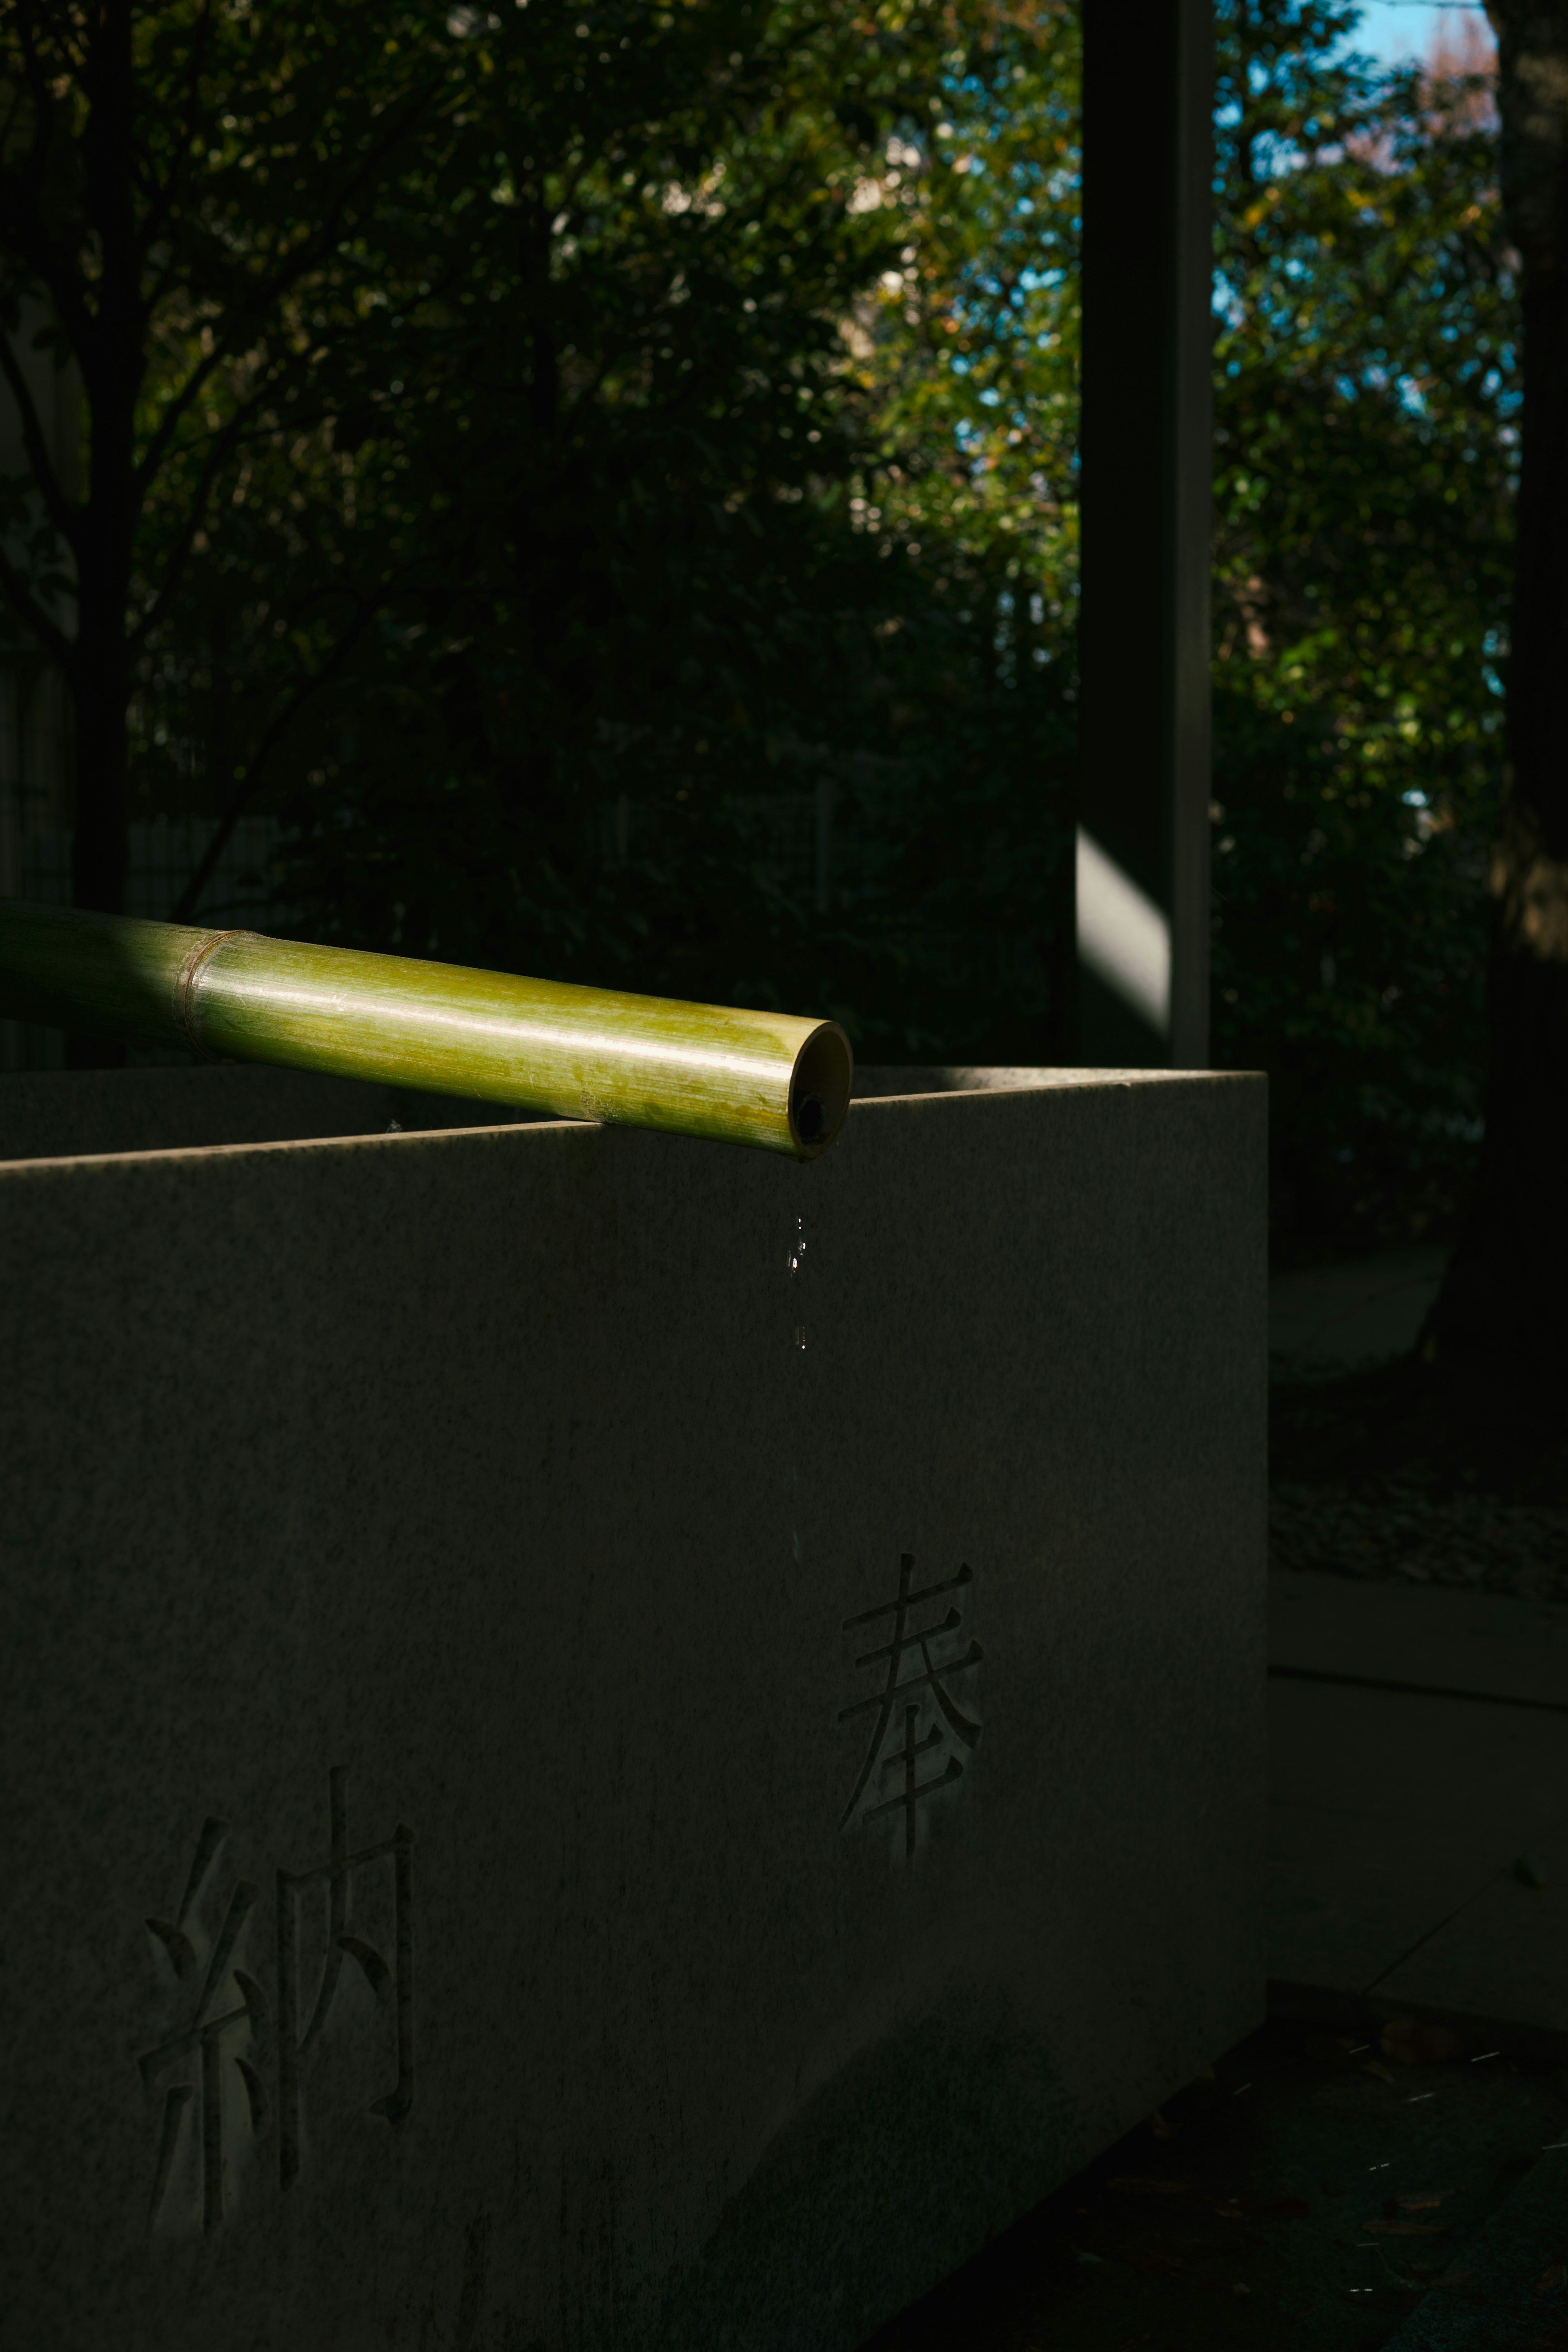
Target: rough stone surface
430,1567
1419,1819
63,1114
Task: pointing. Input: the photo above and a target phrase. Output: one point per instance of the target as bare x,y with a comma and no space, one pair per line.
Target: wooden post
1142,868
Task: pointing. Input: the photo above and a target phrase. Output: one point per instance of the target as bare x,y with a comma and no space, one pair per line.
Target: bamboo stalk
763,1078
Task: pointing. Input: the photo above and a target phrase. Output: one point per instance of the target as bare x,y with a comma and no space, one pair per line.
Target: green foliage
706,682
194,201
615,494
1365,376
719,632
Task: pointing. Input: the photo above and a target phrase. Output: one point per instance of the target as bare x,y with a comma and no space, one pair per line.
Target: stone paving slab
1419,1750
1413,1637
1389,1812
1505,1954
1325,1319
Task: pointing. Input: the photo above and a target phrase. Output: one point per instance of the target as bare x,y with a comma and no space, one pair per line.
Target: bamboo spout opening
819,1089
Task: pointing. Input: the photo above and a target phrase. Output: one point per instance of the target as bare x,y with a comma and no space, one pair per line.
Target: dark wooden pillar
1143,917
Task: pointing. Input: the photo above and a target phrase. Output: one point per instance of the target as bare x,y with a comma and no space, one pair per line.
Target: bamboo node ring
186,979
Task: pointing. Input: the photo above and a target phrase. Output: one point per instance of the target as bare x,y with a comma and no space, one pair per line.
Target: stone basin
612,1745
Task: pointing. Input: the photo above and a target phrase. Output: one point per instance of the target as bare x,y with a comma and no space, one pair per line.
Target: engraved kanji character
229,2005
907,1698
391,1983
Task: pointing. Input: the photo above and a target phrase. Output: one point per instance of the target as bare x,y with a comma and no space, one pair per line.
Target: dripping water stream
796,1277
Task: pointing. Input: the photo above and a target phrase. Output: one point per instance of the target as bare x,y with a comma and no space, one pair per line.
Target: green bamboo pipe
762,1078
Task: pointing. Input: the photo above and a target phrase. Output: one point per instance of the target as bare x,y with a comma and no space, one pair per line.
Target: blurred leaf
1411,2043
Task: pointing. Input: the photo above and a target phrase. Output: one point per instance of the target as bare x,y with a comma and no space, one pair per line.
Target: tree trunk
100,679
100,839
1506,1296
113,367
101,696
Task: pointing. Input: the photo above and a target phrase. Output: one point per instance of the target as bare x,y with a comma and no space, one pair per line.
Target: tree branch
32,614
311,248
162,205
29,236
245,788
39,455
230,437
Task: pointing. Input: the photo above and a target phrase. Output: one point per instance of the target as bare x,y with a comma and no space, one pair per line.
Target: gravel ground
1420,1478
1407,1535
